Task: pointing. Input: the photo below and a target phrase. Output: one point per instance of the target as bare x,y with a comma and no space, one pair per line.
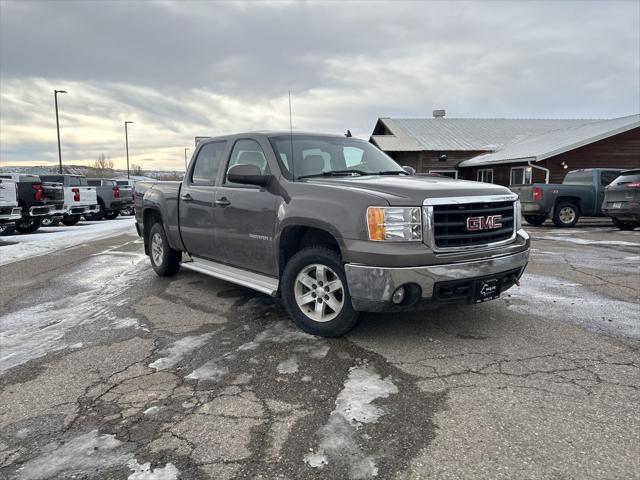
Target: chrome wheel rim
46,222
567,215
156,248
319,293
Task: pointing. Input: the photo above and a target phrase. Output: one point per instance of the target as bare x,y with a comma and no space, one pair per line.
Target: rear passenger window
207,164
607,177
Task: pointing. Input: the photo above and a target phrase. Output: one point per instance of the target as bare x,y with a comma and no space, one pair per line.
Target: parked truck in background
111,198
79,198
622,200
10,212
37,199
333,226
127,188
581,193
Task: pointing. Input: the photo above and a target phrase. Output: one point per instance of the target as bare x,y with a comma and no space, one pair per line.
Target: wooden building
509,151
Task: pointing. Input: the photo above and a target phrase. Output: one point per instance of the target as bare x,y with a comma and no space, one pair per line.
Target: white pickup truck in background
79,198
10,212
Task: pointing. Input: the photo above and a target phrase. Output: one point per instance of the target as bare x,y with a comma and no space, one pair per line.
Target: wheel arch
296,236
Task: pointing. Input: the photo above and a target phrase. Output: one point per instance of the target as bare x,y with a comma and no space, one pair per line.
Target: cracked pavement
122,374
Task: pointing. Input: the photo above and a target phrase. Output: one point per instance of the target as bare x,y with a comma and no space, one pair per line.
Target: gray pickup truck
333,226
581,193
111,198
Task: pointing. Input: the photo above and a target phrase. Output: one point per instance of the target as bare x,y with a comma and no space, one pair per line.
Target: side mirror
409,170
247,174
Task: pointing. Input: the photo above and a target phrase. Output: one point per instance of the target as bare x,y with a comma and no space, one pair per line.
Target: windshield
318,156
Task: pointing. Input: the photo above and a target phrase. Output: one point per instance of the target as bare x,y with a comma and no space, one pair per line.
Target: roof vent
439,113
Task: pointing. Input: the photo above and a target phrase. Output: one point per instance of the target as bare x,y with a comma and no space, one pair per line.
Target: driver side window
247,152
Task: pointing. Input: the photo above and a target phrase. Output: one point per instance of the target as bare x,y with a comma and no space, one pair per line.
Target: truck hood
410,190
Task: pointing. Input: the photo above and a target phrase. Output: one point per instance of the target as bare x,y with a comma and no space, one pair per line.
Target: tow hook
516,281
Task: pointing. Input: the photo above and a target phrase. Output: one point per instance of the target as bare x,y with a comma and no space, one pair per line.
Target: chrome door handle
223,202
186,197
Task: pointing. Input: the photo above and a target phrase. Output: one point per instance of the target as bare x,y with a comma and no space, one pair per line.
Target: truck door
244,215
195,204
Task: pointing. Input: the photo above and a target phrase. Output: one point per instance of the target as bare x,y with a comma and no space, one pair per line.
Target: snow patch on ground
145,472
210,371
289,366
97,285
354,407
51,239
179,349
86,453
559,299
584,241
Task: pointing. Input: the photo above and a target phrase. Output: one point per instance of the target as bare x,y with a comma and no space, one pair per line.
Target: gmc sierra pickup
111,198
333,226
580,193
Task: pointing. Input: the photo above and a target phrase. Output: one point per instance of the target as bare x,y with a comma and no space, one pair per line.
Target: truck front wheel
565,215
164,259
315,293
535,219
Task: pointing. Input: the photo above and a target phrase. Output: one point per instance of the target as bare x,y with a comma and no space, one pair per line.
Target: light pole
185,159
126,143
55,98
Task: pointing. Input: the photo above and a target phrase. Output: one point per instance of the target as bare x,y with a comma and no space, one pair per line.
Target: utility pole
126,143
55,98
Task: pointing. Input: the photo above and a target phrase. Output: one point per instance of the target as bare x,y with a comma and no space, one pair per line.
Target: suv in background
622,200
111,198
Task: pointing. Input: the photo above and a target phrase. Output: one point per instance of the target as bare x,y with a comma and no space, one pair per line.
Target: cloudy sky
183,69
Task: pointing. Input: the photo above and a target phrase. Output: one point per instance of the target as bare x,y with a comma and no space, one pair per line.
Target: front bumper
10,214
371,288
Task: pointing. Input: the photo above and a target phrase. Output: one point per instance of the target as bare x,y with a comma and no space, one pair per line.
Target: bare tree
136,170
102,166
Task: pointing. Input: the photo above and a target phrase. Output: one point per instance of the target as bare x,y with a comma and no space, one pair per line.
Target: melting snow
51,239
289,366
145,472
354,407
584,241
179,349
209,371
558,299
39,329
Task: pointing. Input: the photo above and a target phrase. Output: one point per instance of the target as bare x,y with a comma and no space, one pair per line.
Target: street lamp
185,159
55,97
126,143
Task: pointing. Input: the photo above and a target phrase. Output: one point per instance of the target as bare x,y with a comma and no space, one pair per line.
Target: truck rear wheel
164,259
565,215
535,219
71,220
7,229
315,293
28,225
50,222
110,215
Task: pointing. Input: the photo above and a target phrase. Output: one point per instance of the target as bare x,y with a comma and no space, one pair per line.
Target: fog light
398,296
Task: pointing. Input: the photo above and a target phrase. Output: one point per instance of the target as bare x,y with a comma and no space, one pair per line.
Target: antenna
291,135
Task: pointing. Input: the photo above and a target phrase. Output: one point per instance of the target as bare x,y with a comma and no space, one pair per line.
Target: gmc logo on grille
489,222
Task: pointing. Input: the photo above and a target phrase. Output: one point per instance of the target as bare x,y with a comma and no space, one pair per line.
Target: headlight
395,224
518,213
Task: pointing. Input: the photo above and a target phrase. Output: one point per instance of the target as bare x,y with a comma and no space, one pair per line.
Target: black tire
7,229
71,220
99,215
28,224
50,222
346,318
566,215
535,219
110,215
622,225
166,262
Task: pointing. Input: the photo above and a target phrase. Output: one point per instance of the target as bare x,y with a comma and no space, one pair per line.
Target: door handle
223,202
186,197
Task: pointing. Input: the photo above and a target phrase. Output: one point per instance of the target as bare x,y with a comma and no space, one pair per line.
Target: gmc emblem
489,222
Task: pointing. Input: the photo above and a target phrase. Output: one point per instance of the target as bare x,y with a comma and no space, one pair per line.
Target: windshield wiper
335,173
390,172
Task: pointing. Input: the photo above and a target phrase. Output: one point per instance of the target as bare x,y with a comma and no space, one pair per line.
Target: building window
446,173
520,176
485,175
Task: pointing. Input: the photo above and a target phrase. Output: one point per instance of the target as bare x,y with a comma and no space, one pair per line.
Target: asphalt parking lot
109,372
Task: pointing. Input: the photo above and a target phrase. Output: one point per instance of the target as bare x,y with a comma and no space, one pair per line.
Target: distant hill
84,170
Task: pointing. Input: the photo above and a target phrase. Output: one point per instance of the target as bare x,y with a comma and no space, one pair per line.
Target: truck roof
274,133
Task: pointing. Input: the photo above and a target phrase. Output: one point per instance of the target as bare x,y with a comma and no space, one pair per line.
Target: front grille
450,224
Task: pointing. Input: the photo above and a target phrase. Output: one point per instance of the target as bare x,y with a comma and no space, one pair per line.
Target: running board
256,281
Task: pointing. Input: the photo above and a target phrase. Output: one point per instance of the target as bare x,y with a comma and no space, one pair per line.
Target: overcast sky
180,69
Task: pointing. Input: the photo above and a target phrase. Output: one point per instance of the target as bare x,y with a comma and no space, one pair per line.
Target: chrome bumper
9,215
41,210
371,288
83,209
